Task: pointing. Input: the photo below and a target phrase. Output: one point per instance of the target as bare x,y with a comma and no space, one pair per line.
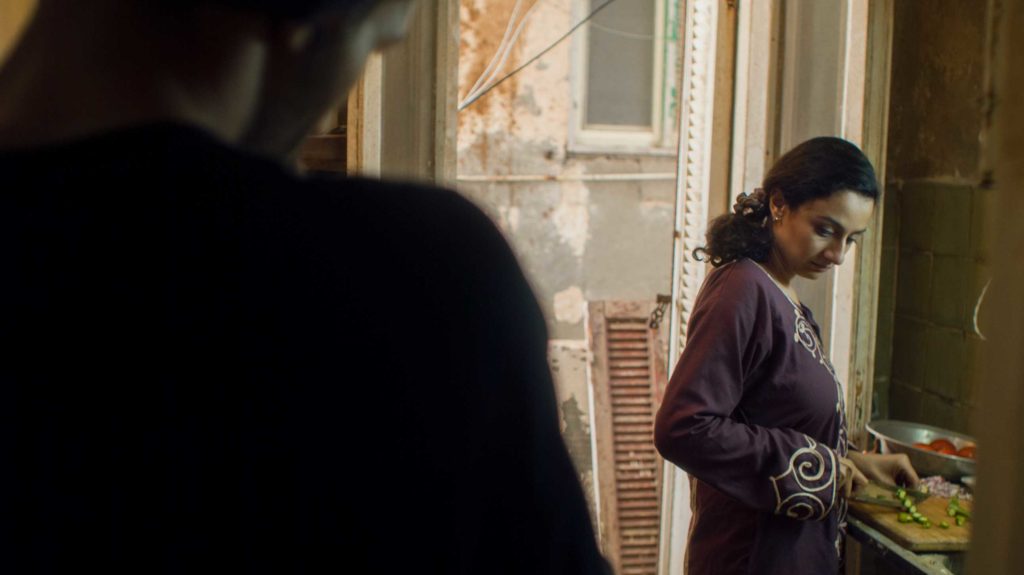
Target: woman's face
814,237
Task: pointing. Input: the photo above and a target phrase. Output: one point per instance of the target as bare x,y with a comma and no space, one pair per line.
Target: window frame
657,139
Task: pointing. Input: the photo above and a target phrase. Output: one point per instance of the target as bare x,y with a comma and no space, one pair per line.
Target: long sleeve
701,425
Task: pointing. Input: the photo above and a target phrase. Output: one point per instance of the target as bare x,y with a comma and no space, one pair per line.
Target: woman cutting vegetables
754,411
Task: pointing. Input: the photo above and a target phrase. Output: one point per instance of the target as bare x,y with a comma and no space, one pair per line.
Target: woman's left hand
890,469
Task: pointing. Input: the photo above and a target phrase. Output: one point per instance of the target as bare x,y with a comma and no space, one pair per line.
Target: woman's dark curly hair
815,169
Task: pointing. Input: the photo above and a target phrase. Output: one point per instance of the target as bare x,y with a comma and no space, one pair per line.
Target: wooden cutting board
911,535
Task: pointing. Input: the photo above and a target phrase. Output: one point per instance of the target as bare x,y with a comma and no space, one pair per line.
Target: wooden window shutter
324,153
629,379
326,150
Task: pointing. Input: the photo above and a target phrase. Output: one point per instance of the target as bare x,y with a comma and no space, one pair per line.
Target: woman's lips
820,267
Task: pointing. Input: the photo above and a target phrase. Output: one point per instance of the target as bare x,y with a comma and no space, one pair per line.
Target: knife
918,496
886,502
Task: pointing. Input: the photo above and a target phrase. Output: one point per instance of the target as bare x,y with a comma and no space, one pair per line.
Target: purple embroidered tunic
755,414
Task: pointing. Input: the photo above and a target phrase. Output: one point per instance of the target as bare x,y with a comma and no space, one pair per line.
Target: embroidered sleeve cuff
807,490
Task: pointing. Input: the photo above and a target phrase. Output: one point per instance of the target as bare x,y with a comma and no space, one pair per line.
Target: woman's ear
778,205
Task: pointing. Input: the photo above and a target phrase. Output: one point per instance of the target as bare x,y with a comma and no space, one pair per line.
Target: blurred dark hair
814,169
285,9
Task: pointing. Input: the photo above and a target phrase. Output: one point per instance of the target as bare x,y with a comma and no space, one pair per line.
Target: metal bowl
900,437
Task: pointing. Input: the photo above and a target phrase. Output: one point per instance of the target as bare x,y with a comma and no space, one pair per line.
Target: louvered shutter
629,379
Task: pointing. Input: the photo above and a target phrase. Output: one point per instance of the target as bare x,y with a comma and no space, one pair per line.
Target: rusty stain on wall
483,24
577,241
611,239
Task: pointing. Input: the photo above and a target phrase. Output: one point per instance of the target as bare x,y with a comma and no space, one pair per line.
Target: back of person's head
254,72
284,9
813,170
280,63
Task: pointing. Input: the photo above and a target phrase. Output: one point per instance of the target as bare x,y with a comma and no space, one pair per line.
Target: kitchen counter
902,560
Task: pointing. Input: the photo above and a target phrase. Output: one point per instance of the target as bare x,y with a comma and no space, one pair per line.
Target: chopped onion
941,488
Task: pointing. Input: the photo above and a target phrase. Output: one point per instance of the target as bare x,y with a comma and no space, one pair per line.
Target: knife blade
876,501
918,496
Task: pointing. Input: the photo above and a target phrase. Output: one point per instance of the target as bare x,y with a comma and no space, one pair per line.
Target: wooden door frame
999,379
855,303
14,17
363,127
705,121
857,286
405,102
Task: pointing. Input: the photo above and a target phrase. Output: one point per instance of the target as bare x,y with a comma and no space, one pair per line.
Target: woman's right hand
851,479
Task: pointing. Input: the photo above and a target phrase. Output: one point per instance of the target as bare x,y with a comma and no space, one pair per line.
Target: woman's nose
835,254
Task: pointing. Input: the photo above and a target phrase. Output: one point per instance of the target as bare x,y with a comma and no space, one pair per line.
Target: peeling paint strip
577,344
592,408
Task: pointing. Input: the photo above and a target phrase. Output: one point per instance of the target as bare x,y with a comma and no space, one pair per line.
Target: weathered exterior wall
937,72
578,241
934,266
569,365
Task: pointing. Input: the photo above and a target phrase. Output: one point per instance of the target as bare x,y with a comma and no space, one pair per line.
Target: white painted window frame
603,139
696,148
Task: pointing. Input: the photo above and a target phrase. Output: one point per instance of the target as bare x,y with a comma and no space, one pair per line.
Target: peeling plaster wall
608,240
578,241
569,364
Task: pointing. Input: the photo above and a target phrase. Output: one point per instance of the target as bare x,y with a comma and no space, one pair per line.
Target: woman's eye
823,232
851,240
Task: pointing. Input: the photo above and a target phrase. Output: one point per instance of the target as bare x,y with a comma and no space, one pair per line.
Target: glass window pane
620,64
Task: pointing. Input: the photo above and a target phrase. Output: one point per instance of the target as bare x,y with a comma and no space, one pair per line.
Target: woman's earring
778,217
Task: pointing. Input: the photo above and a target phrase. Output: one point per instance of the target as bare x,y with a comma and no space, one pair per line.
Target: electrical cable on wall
507,52
480,93
977,307
485,76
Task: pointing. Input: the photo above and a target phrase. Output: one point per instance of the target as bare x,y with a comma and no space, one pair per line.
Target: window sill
582,150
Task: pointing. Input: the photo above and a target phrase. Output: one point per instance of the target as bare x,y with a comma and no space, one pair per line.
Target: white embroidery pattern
806,335
808,476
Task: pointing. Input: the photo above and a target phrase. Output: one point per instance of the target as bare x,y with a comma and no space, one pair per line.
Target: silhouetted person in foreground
212,364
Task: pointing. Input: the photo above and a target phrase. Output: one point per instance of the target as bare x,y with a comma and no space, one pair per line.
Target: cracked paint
569,305
572,216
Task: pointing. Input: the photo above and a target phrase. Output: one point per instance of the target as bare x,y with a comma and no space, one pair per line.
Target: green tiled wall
934,268
933,265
